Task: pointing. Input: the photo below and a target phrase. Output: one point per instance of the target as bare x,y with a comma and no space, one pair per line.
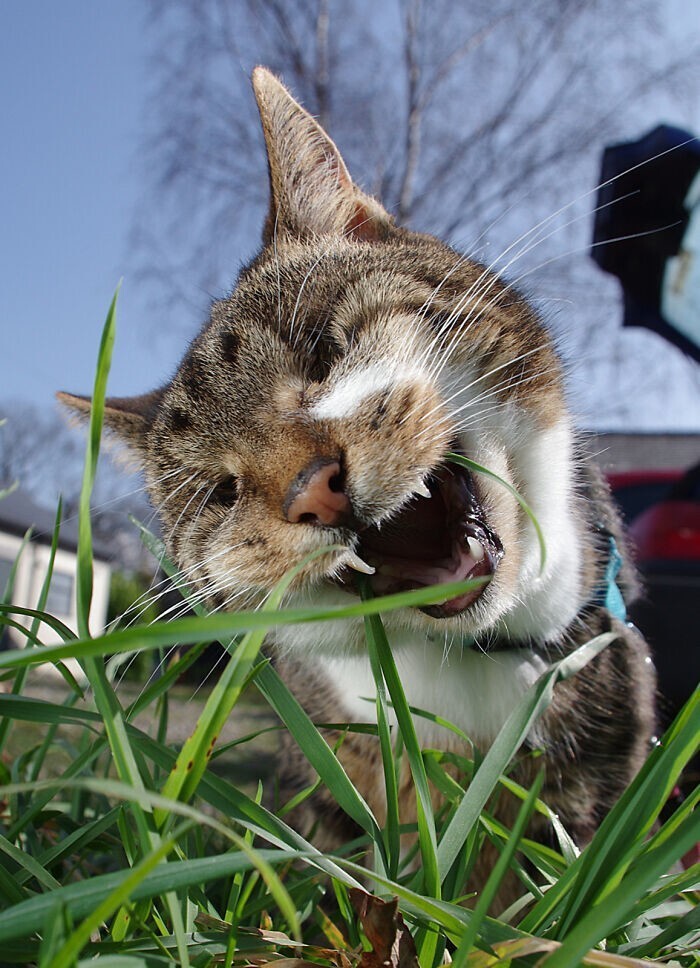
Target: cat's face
319,403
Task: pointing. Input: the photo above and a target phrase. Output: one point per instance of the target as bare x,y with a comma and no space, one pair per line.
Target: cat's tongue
433,541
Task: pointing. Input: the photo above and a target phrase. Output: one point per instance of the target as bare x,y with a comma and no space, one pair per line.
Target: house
19,514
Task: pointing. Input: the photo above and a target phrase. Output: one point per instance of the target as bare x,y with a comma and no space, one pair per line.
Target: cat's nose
316,496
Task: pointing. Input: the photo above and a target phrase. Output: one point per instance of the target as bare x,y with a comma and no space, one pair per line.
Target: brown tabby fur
281,377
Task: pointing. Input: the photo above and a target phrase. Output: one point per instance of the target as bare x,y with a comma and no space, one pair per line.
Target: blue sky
73,85
72,82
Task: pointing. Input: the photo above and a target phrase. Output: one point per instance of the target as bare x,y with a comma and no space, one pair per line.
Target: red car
662,511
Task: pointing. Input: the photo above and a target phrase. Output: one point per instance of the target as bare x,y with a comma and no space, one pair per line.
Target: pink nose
316,496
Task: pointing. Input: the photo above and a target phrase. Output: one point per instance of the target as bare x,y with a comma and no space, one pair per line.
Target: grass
138,854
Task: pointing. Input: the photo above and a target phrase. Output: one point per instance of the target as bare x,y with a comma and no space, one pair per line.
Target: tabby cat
316,408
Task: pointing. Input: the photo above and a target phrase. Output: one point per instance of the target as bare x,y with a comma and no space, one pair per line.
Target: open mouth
433,540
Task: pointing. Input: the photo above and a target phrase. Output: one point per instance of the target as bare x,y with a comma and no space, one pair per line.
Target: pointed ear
311,191
128,417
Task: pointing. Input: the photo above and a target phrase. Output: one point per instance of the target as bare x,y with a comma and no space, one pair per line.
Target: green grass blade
54,936
217,791
42,798
379,645
84,556
10,889
41,605
452,918
603,863
11,488
196,752
41,711
198,748
7,591
508,741
318,752
383,661
226,625
62,630
115,726
148,801
80,898
685,925
28,864
148,960
77,940
392,837
20,678
499,871
612,912
77,841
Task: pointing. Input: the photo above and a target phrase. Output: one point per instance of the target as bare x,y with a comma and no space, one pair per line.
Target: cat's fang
357,564
475,549
423,490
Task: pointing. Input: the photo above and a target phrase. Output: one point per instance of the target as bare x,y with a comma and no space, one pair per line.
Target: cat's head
318,405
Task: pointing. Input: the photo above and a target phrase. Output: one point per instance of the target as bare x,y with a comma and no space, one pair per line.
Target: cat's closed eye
225,493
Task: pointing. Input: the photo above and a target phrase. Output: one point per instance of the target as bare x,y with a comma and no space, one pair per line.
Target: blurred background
132,150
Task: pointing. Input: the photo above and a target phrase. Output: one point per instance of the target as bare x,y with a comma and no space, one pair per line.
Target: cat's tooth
422,489
357,564
475,549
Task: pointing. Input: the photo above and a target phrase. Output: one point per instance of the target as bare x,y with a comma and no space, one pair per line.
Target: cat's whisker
279,276
314,266
192,525
487,279
489,282
464,389
176,583
317,332
210,672
101,505
202,591
195,494
155,672
567,254
171,494
450,418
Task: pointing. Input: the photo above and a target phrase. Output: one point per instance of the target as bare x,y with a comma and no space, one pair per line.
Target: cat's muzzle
434,540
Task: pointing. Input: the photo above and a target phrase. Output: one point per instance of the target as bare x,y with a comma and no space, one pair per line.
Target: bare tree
475,121
39,452
43,455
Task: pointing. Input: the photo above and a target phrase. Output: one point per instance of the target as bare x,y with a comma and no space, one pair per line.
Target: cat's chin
434,540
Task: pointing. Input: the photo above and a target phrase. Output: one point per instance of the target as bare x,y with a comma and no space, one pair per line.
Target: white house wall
29,579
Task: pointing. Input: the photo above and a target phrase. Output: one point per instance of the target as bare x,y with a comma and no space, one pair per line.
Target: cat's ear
312,193
128,417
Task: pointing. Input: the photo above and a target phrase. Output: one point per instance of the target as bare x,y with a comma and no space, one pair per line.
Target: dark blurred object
662,511
641,222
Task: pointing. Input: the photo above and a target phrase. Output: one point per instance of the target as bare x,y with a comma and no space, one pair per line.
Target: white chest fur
469,688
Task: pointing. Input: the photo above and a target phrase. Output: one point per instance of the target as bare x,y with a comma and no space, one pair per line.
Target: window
60,598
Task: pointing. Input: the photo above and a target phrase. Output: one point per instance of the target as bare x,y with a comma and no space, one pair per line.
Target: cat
316,408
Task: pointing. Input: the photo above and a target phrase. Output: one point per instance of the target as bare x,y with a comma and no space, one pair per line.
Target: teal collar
608,594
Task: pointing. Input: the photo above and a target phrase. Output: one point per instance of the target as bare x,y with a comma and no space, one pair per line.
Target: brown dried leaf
291,963
392,944
520,947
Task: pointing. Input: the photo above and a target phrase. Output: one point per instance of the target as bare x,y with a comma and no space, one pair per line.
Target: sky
73,84
72,87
